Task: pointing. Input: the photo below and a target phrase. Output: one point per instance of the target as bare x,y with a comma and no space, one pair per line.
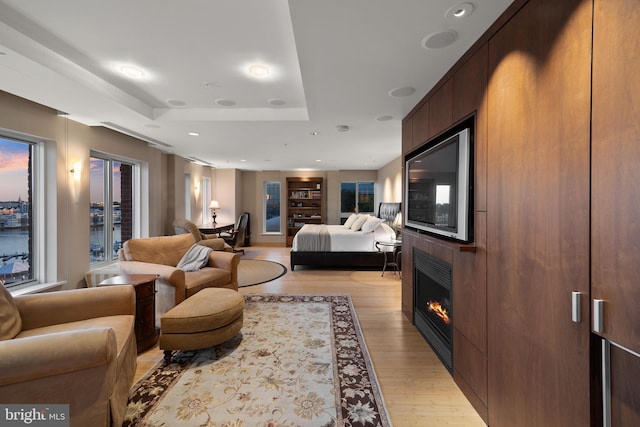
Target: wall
389,182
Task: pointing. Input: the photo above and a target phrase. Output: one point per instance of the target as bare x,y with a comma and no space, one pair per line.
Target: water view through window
16,223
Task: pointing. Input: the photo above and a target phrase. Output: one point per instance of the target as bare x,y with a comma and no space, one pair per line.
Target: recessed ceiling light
131,71
258,71
276,102
194,134
342,128
461,10
439,40
314,133
384,118
243,160
318,160
402,91
225,102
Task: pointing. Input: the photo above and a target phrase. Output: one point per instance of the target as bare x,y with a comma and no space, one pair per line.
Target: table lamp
213,206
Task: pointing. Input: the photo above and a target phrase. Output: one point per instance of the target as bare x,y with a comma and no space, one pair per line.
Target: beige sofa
74,347
161,255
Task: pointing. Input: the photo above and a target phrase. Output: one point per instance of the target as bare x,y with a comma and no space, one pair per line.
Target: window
111,212
17,230
356,197
272,207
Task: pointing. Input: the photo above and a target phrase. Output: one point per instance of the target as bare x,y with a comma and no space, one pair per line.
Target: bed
322,245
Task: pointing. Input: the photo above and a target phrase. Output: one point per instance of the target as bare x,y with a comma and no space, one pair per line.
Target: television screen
438,187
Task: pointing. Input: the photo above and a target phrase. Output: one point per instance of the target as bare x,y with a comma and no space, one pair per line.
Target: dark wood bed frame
386,211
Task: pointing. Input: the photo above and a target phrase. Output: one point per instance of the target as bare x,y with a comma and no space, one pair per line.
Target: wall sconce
213,206
76,174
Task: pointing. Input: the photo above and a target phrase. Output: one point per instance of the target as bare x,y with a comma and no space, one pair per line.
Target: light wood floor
417,389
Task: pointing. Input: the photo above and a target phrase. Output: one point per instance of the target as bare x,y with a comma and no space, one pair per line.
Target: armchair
74,347
161,255
184,226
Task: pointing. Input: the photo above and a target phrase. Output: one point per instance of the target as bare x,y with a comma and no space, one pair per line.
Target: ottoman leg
167,356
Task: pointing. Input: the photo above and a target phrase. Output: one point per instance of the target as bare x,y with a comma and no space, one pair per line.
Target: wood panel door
538,216
615,203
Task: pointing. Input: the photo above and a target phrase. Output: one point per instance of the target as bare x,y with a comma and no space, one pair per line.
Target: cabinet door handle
598,315
575,306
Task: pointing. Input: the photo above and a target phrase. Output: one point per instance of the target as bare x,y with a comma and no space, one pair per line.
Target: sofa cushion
10,320
122,325
195,258
167,250
206,277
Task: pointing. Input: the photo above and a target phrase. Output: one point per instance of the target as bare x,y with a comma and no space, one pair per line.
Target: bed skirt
337,259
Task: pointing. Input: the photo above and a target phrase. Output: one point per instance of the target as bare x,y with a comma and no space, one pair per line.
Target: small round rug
254,271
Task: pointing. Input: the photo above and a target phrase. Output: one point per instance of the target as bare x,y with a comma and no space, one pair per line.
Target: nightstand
145,287
393,246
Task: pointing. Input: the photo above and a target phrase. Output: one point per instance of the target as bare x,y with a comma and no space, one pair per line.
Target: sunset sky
14,158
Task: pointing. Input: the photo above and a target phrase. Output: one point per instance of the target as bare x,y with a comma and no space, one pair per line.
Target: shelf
305,197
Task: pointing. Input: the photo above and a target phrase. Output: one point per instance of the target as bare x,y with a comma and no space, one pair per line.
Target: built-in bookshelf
304,204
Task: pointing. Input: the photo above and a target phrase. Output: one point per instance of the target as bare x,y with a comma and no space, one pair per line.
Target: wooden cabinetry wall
544,199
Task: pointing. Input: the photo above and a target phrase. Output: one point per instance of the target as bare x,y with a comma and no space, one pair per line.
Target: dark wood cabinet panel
538,216
470,289
407,135
421,125
625,388
469,84
441,109
615,173
470,372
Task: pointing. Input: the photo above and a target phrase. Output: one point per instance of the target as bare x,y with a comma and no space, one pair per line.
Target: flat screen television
439,187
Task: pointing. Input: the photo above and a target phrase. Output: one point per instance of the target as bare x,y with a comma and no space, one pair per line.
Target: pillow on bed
359,222
349,222
371,224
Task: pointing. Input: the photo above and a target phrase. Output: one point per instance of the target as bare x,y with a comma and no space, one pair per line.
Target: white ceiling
332,63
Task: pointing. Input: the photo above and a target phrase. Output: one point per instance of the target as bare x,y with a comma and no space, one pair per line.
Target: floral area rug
300,360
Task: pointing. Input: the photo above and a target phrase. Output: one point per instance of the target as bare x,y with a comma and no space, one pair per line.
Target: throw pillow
349,222
371,224
359,222
10,320
196,257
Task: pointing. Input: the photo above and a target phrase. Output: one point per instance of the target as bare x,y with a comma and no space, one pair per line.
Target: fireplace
433,303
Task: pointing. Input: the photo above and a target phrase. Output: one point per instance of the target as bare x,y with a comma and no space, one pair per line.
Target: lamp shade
214,205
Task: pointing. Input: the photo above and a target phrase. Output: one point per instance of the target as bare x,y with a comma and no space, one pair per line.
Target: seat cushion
10,320
207,310
122,325
206,277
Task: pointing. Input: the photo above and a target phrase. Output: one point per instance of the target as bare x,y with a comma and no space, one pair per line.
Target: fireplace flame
436,308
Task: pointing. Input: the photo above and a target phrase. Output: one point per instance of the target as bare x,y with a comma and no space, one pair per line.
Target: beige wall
389,184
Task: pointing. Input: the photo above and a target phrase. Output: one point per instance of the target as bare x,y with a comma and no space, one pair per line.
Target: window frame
344,215
265,200
136,206
44,190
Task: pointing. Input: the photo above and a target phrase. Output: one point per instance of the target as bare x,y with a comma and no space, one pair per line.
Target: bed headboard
388,211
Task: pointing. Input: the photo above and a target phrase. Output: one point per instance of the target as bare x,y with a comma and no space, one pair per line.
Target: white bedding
347,240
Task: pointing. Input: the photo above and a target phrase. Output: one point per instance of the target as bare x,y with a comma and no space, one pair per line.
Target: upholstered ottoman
207,318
